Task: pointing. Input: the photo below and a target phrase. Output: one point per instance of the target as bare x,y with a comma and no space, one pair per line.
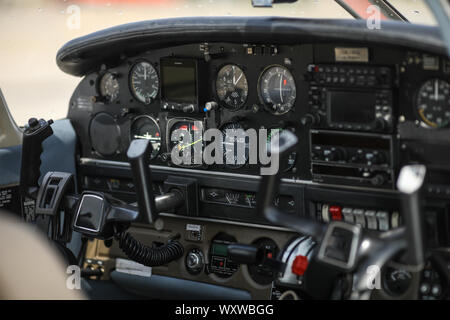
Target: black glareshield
139,154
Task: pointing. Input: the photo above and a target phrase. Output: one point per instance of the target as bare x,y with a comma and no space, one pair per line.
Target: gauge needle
146,136
235,82
436,90
424,118
190,144
281,90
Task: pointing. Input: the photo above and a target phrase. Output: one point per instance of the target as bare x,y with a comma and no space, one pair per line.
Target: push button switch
383,220
336,213
359,217
348,215
299,265
371,219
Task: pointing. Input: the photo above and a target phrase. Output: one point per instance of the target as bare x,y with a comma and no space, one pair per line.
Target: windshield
33,31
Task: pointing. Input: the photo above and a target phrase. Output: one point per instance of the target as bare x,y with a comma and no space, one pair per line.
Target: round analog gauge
104,125
109,87
292,157
235,145
144,82
232,86
433,103
277,91
145,127
187,139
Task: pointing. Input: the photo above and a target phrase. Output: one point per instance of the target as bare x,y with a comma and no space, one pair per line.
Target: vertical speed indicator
144,82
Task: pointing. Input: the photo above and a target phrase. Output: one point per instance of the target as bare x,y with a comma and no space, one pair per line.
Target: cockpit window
416,11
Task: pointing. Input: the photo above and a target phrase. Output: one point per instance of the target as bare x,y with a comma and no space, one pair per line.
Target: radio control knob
378,158
310,119
341,154
337,154
378,180
380,124
359,157
334,154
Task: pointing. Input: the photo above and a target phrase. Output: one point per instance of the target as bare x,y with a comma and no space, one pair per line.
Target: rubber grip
33,137
139,153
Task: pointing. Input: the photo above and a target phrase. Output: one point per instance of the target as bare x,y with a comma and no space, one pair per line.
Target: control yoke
345,246
140,167
283,144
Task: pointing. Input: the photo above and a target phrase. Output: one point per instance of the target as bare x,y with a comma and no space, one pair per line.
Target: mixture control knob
210,106
194,261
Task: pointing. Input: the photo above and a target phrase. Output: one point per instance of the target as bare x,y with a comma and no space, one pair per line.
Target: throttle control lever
101,216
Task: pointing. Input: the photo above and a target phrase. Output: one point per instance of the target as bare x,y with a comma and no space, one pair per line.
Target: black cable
148,256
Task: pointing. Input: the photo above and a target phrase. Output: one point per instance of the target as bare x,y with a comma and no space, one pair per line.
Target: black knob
378,158
380,124
340,154
165,157
189,108
378,180
195,261
310,119
335,154
33,123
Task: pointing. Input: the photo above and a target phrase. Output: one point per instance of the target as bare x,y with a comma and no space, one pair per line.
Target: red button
269,255
335,212
300,265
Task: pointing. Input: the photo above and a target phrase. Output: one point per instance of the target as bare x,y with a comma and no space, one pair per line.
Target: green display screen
219,249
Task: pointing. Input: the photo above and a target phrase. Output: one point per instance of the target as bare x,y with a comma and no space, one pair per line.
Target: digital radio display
179,80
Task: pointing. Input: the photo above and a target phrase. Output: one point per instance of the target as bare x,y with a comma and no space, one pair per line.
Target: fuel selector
195,261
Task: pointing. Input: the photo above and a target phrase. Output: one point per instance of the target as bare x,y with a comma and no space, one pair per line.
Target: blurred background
32,31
